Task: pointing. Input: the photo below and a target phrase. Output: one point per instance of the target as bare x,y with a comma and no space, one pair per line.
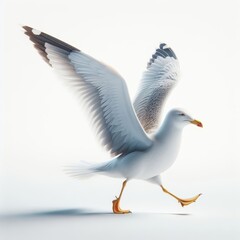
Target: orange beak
197,123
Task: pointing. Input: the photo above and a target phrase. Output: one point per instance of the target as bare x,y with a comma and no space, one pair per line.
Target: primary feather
102,89
157,82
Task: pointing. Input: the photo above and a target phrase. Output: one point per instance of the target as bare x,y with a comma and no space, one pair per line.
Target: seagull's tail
84,169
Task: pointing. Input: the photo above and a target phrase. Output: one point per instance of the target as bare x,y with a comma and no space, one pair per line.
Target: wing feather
102,89
157,82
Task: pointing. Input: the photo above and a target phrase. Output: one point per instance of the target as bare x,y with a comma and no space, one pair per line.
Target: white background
43,126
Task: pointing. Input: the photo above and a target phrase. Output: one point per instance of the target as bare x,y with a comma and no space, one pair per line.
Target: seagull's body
145,165
124,128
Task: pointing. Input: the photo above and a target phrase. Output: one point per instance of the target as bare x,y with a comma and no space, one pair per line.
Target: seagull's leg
116,208
183,202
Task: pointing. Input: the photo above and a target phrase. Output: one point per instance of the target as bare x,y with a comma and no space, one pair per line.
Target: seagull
140,149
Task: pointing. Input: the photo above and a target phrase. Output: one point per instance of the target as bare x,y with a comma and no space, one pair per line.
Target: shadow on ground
76,212
55,213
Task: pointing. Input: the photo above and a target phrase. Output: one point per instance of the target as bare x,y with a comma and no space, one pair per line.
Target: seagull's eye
181,114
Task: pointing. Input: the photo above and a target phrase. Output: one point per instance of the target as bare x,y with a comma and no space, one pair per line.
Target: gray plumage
121,128
102,89
157,82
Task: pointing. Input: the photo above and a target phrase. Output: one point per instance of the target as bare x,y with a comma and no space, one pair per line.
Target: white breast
161,156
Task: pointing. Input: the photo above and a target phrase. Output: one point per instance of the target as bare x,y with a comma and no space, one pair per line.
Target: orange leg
116,208
183,202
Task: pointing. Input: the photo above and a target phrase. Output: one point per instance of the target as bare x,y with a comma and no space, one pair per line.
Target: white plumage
122,128
106,95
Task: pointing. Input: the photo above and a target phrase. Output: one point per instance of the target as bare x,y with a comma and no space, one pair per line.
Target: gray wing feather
103,91
157,82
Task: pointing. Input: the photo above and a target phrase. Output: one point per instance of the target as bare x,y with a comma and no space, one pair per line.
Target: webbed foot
183,202
116,208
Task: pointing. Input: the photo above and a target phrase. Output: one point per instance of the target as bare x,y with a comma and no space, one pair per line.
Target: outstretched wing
157,81
102,89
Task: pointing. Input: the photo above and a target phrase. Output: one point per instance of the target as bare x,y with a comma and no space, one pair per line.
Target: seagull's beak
196,122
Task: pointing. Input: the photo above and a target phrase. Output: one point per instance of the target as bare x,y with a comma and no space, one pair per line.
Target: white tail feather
84,169
81,170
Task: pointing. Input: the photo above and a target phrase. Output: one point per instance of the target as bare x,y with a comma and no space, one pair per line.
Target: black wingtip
39,45
39,40
163,51
168,50
27,31
27,28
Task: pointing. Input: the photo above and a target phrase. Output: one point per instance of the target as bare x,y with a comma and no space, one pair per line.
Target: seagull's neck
169,130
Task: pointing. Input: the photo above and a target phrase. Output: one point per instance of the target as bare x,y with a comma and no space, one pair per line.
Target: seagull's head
181,118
